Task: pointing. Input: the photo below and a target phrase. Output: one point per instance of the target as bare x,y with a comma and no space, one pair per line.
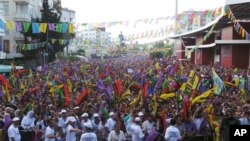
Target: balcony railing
22,1
22,17
19,36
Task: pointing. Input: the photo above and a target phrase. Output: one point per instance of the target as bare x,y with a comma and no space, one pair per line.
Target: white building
68,16
18,10
2,33
96,37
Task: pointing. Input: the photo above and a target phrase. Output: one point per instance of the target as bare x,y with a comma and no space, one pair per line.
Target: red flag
66,95
163,118
4,81
82,97
186,104
146,89
118,86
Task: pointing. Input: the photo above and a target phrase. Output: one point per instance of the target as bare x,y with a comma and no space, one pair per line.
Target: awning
232,41
220,42
202,46
7,68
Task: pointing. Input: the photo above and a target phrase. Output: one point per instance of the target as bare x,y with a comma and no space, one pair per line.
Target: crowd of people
130,98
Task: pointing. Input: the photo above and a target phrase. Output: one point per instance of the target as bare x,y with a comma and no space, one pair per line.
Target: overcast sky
113,10
92,11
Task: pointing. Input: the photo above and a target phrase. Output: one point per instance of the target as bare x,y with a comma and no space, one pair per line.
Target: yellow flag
43,27
71,28
167,96
69,86
183,87
7,93
125,95
10,25
202,98
157,66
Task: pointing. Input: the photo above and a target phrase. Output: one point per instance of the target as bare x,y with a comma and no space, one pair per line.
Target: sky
92,11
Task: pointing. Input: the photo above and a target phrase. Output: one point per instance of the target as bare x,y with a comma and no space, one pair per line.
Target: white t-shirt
114,137
110,124
62,124
97,127
70,136
147,126
49,131
88,137
136,132
172,134
13,132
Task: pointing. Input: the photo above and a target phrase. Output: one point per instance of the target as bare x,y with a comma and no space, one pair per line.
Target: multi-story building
68,16
96,37
18,10
24,10
2,33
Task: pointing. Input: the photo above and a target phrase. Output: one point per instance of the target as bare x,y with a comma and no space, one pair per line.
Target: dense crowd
130,98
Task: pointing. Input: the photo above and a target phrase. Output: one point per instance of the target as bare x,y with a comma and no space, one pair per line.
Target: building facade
18,10
2,33
225,45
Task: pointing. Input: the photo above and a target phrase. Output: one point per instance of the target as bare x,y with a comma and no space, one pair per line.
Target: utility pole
175,25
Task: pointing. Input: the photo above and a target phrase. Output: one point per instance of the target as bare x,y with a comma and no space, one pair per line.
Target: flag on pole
218,83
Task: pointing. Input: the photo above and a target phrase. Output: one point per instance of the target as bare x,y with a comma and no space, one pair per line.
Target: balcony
19,36
22,1
22,17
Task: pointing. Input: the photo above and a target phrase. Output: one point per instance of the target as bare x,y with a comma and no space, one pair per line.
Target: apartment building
18,10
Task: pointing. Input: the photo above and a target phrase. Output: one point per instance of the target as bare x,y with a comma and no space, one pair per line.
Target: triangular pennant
10,25
53,41
52,27
59,27
35,28
43,27
26,26
71,28
65,27
19,26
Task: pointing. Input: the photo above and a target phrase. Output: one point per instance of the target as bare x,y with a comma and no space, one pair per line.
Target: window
6,46
5,7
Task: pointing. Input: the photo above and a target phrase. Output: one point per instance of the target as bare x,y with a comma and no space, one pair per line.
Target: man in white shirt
136,130
50,132
117,134
70,131
172,133
62,121
97,124
148,125
110,124
88,135
85,119
13,131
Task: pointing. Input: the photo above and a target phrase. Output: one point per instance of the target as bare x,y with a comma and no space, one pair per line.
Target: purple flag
52,27
19,26
159,81
151,136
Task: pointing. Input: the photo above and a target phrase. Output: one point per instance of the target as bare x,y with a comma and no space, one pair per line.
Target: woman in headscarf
28,121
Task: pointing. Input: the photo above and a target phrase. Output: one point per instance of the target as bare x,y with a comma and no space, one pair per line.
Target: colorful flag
218,83
43,27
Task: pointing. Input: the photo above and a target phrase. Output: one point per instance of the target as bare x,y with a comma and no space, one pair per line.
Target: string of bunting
237,26
192,15
37,27
184,22
34,46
